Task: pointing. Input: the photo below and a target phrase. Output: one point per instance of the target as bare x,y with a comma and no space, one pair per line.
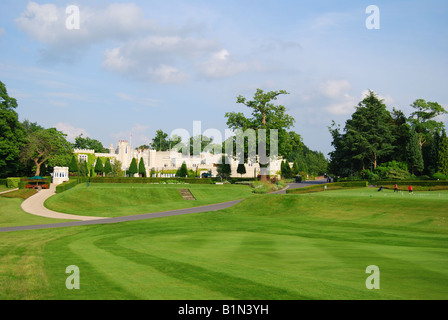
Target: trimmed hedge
330,186
147,180
66,185
421,183
12,182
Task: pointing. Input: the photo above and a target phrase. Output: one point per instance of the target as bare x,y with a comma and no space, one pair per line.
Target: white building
169,161
60,175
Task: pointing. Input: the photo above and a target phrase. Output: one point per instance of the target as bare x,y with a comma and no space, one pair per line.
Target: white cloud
71,131
146,51
168,74
221,64
346,104
344,107
147,102
335,88
162,59
46,23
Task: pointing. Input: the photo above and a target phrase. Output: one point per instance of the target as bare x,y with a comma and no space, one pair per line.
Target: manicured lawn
114,200
3,188
11,214
312,246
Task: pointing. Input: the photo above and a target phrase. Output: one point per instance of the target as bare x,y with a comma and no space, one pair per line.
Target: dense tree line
377,143
27,148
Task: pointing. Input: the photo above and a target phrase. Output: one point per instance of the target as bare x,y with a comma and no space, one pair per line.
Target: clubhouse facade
165,163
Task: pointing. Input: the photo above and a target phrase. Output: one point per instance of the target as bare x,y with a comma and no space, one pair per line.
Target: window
83,157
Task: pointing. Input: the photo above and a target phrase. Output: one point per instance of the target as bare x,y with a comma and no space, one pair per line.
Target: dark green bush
12,182
66,185
422,183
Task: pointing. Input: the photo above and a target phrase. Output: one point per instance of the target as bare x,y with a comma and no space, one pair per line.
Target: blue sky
136,67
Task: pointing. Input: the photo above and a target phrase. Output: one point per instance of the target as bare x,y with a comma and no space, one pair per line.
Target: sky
112,69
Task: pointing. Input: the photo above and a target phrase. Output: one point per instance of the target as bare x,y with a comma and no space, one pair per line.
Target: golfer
396,188
410,189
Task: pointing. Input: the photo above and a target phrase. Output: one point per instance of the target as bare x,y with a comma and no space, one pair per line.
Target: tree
294,146
199,144
143,147
88,143
422,119
340,158
414,153
182,172
99,168
12,135
286,170
133,169
47,146
223,168
266,116
141,168
369,131
367,139
73,166
241,169
443,154
116,169
401,131
295,168
107,167
83,170
160,142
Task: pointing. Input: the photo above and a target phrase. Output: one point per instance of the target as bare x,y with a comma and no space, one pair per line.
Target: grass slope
313,246
11,214
114,200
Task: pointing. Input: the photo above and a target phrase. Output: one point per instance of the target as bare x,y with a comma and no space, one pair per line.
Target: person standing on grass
396,188
410,189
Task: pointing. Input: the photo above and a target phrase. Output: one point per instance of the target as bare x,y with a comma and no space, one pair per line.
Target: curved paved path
35,206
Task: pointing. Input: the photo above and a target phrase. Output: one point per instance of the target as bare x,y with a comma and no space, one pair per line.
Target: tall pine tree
141,168
73,166
107,167
133,169
369,134
182,172
414,153
99,168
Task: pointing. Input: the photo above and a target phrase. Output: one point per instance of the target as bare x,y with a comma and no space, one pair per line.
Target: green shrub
66,185
440,176
421,183
12,182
